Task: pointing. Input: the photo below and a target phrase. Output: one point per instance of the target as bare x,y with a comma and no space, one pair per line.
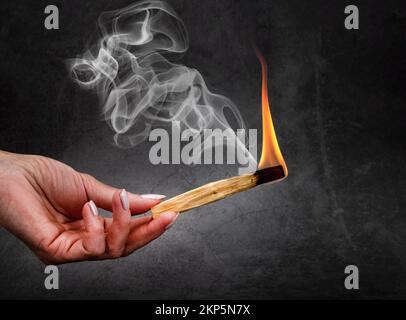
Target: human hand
53,209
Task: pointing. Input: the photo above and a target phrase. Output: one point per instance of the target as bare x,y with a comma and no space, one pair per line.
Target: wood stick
218,190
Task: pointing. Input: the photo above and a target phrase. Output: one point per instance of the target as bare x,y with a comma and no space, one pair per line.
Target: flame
271,154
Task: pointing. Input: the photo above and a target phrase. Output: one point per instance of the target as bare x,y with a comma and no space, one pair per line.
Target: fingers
119,230
142,234
101,238
102,194
133,223
86,244
94,238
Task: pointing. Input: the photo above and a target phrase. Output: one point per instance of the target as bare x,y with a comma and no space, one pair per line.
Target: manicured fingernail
93,208
124,200
153,196
173,221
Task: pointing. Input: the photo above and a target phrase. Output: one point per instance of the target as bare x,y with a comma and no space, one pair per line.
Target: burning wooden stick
218,190
271,167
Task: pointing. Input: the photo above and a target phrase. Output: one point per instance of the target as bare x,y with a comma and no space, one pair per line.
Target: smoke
139,88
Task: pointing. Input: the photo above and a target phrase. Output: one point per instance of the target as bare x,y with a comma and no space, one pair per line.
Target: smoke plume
139,88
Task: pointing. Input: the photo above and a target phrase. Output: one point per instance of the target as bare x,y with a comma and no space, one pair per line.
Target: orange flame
271,154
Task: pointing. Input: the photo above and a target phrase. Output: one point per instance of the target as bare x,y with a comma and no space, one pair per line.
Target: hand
53,209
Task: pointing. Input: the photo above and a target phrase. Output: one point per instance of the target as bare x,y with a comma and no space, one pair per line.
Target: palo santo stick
218,190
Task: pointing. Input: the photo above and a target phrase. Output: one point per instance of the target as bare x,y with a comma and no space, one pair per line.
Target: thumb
99,192
102,195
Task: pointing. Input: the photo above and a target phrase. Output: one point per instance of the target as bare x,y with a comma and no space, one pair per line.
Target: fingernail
153,196
124,200
93,208
172,222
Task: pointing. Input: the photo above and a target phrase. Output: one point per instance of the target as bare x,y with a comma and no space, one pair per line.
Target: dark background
338,104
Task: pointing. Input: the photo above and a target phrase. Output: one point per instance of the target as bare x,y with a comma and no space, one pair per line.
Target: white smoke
140,88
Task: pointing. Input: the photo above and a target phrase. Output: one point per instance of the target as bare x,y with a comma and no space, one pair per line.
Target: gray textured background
338,99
